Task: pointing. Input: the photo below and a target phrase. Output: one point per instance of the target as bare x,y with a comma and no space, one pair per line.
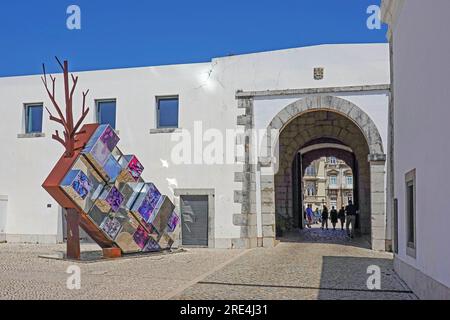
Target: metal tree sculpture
67,121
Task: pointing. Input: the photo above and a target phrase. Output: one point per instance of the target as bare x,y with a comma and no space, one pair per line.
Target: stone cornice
307,91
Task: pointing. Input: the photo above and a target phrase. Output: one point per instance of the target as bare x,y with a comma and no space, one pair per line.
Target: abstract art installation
101,189
131,213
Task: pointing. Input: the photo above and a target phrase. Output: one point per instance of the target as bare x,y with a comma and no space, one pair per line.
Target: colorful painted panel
135,168
152,246
132,169
174,220
110,199
147,202
111,226
109,138
79,183
114,199
141,237
82,184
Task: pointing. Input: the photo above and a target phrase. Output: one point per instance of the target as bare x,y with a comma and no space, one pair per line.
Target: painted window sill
31,135
165,130
411,250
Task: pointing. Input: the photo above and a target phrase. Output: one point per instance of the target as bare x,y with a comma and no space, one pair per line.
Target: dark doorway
194,216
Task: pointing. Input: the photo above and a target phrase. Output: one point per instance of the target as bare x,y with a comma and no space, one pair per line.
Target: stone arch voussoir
335,104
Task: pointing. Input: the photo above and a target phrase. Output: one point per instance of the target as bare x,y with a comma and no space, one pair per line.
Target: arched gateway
309,128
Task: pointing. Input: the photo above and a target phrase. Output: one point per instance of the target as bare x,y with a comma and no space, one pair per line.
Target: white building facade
330,97
419,139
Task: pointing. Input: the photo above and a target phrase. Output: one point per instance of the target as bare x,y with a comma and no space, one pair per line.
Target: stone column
268,209
378,201
246,196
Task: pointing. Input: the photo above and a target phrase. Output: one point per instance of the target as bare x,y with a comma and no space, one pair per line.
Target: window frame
311,190
97,110
167,97
26,117
349,180
410,181
336,180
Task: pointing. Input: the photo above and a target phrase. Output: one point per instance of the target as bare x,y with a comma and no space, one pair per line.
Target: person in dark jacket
350,211
333,217
341,217
325,217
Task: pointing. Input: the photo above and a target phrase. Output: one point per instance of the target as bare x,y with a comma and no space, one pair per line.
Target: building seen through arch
327,181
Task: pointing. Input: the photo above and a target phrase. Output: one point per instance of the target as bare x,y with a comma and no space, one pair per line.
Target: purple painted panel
114,199
110,138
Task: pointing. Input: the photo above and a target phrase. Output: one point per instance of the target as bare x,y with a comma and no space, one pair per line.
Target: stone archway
337,105
326,117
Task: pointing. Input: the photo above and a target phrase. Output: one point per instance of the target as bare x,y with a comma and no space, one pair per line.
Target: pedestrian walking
350,212
325,217
309,215
333,217
341,217
317,216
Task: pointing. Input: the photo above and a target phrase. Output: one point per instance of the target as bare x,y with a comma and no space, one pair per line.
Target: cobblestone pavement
23,275
315,268
324,265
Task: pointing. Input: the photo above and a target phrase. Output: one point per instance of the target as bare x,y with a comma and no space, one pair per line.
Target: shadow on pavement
347,277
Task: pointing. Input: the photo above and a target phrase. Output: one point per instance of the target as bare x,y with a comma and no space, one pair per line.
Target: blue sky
118,34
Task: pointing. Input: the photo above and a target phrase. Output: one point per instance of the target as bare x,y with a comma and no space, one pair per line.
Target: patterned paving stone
307,265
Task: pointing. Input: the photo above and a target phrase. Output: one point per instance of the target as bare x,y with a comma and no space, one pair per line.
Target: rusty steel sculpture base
73,234
112,253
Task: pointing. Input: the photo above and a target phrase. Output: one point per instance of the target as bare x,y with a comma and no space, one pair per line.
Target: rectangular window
106,112
168,112
410,212
410,204
311,189
33,118
333,160
333,180
349,180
